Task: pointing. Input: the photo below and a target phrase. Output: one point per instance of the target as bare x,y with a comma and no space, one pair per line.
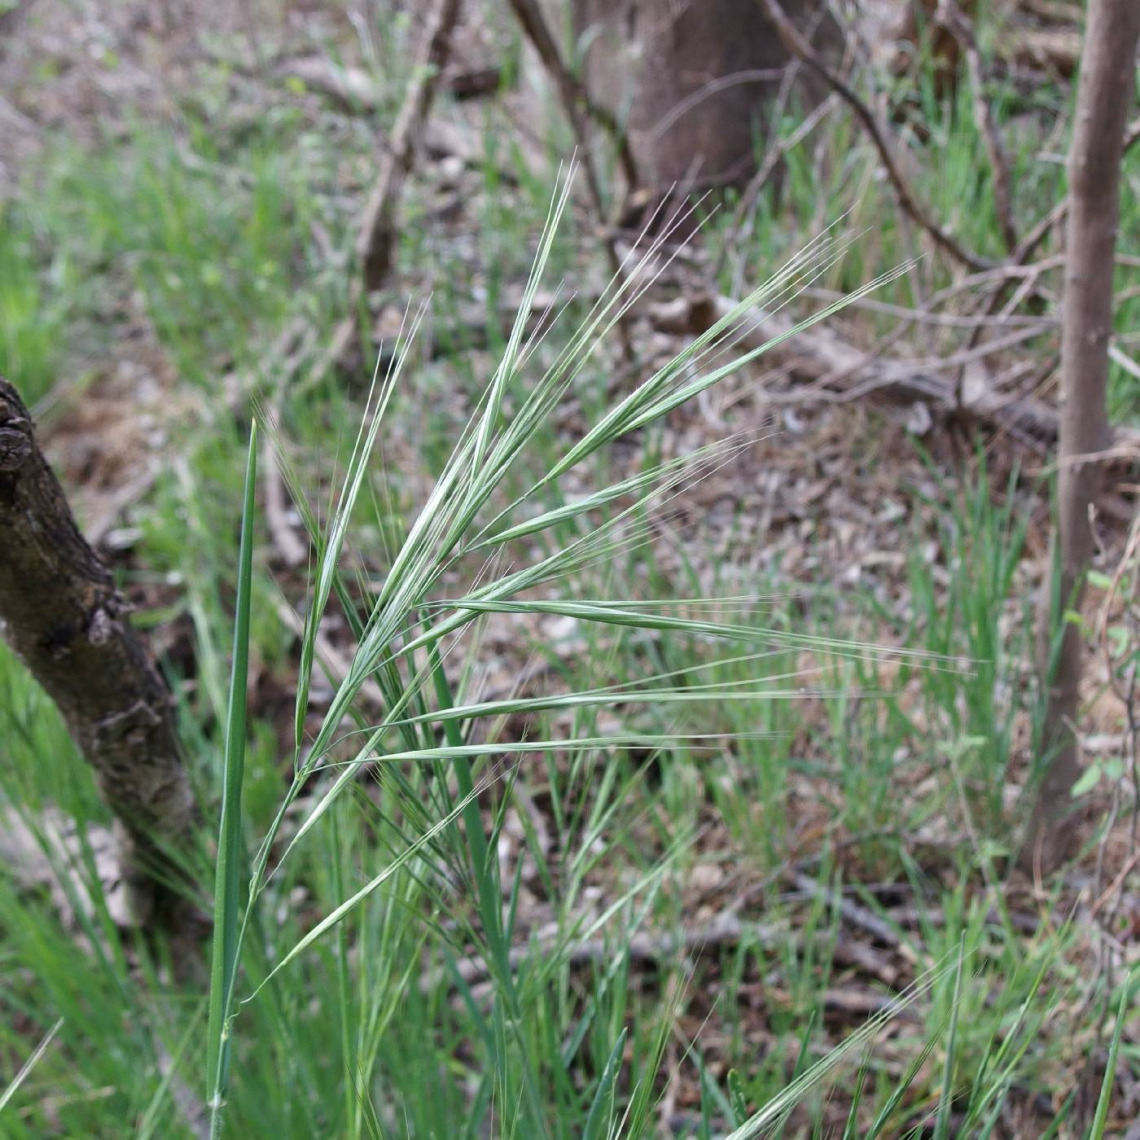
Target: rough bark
61,613
1104,96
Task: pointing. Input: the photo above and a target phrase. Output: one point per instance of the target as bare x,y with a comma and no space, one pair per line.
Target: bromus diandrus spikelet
416,617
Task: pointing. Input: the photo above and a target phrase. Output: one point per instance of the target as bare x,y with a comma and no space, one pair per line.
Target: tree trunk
61,613
1104,95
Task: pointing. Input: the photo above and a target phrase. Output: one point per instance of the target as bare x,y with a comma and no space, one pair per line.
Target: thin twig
855,914
820,356
742,215
877,131
574,98
573,93
281,369
376,238
955,20
641,947
289,546
1032,240
925,316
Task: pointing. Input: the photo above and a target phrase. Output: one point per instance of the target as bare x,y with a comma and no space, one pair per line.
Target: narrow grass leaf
1100,1117
26,1068
350,904
601,1110
946,1099
230,852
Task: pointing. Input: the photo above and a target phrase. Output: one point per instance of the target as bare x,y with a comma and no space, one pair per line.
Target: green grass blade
351,903
601,1110
1100,1117
776,1112
229,869
331,547
29,1065
148,1125
945,1101
487,887
882,1119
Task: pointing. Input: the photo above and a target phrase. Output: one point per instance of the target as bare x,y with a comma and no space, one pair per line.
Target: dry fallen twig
858,916
725,929
296,341
289,546
354,90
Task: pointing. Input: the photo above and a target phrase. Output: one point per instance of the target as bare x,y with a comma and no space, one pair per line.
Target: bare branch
878,133
838,372
377,236
61,613
573,98
572,91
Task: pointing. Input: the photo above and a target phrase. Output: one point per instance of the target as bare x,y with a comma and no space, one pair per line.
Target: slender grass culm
227,883
438,752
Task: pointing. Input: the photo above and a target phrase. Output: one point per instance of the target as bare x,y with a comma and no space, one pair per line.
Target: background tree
1104,96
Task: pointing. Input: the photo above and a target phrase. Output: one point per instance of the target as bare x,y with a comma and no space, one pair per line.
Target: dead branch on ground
652,949
353,90
839,372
